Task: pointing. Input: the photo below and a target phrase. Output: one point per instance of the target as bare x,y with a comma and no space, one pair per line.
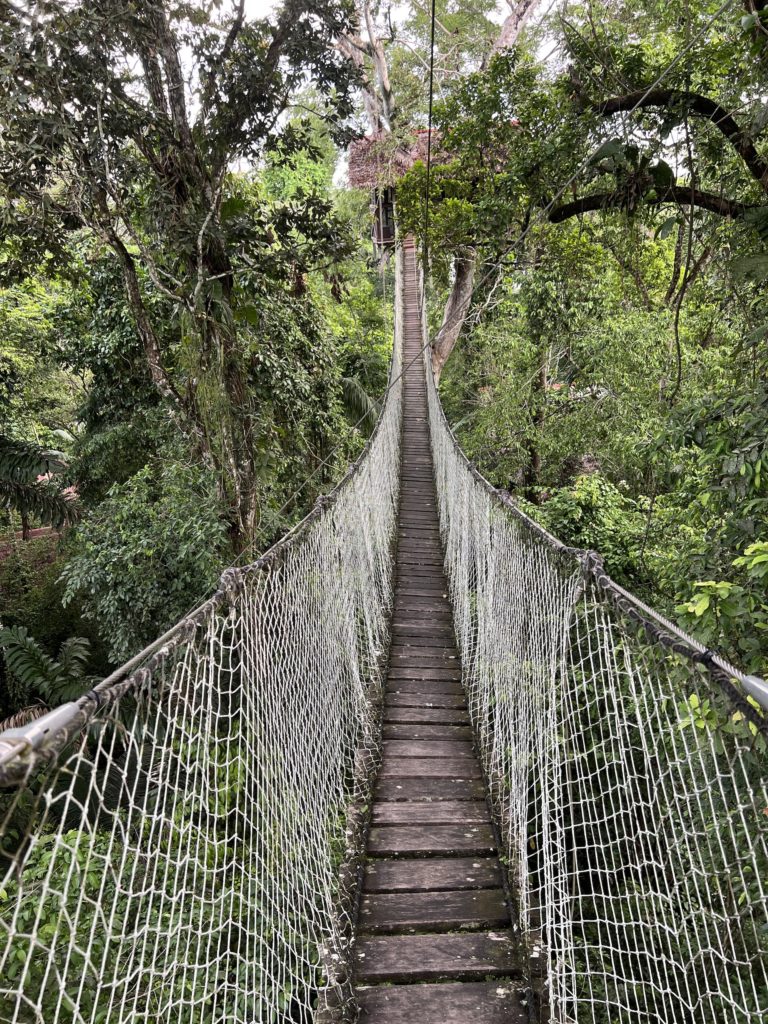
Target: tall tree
124,117
464,39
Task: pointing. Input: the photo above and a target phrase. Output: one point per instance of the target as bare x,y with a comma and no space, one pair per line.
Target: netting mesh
627,770
181,858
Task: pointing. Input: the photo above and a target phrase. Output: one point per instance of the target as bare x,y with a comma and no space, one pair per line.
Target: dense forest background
195,331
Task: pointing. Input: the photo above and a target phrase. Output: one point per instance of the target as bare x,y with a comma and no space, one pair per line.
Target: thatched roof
378,160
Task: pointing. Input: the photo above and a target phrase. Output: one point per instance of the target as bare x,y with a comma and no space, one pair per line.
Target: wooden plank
431,613
423,651
428,609
428,748
427,732
406,958
457,787
418,592
451,673
424,686
424,641
452,910
422,625
437,812
418,716
430,616
435,874
486,1002
405,627
426,840
427,658
427,700
419,767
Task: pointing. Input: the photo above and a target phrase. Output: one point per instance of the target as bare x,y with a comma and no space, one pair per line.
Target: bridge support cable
178,845
628,767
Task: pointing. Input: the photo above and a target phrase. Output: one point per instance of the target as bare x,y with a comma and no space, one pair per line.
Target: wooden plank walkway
434,941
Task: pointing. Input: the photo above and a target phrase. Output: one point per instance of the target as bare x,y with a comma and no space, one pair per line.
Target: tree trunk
460,298
513,23
456,309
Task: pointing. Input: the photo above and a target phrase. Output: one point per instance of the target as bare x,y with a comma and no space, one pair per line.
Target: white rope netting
177,852
627,770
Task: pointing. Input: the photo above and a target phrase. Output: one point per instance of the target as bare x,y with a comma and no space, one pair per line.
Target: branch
513,24
233,33
680,194
704,107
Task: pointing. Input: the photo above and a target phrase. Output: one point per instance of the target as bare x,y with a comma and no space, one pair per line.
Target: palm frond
73,656
27,661
24,461
52,506
55,681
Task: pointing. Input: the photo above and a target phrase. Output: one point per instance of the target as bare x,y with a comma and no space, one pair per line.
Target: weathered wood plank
435,874
428,748
423,653
421,625
396,787
405,958
424,840
427,700
450,673
436,812
427,732
413,643
451,910
421,767
421,686
487,1002
416,715
424,609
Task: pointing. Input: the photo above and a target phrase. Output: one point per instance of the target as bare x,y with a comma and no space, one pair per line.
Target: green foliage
623,351
732,615
187,238
38,395
22,489
595,515
55,680
147,554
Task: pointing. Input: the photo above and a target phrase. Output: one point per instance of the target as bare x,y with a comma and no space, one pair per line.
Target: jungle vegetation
194,332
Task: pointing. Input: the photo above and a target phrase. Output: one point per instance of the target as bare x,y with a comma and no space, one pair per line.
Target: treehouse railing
628,771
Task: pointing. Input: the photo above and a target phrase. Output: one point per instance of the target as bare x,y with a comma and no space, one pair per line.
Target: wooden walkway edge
434,943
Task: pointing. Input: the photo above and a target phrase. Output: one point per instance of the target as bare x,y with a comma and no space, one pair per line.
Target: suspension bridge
420,762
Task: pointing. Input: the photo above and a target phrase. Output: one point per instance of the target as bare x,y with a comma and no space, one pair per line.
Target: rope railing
179,844
628,772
